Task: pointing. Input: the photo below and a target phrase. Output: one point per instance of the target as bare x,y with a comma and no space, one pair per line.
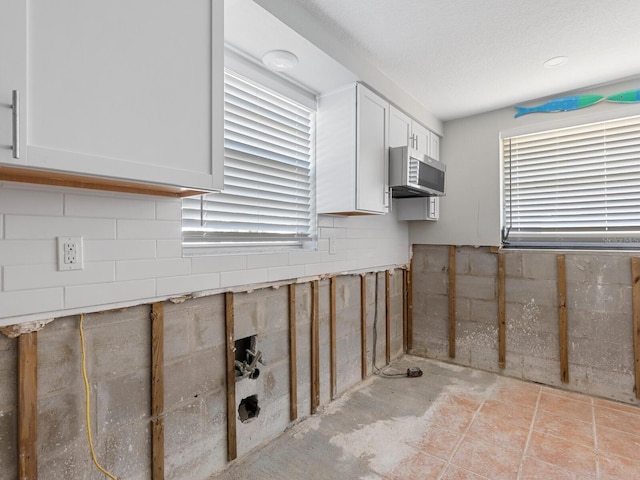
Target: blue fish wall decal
575,102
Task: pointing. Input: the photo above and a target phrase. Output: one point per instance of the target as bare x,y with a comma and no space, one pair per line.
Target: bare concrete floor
453,423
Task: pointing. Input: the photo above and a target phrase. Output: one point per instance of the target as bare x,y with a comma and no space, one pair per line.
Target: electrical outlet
70,253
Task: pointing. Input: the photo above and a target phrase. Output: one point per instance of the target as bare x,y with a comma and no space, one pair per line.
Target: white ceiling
462,57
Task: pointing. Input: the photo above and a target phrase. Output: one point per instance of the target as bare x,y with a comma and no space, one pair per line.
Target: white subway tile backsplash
149,229
266,260
186,284
77,205
109,293
19,201
325,221
169,248
40,227
169,209
218,263
245,277
47,275
139,269
286,273
27,252
13,304
101,250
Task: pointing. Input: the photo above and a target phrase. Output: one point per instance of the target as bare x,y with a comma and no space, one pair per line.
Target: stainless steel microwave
415,175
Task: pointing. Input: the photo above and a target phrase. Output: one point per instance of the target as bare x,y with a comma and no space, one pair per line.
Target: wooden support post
562,319
363,325
157,391
410,307
387,311
28,406
502,344
332,336
293,356
452,301
232,444
405,312
635,266
315,348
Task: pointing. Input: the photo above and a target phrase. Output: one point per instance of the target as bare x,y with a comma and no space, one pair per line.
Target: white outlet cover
64,263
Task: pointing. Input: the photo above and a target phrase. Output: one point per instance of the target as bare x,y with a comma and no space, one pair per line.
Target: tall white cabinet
121,90
352,152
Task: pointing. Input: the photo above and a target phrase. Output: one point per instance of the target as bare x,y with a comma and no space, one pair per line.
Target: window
267,197
573,187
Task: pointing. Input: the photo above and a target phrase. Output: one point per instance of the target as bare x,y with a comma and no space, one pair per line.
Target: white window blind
577,186
267,197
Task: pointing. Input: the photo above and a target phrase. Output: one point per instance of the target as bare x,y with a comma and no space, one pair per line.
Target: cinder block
533,343
482,262
61,421
123,400
485,311
126,451
184,426
430,258
598,297
8,371
8,439
197,460
477,336
209,326
539,265
432,283
527,291
531,317
513,264
601,269
476,287
74,463
542,370
597,354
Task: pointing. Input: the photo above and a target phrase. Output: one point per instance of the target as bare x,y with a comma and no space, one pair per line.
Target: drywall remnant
13,331
181,299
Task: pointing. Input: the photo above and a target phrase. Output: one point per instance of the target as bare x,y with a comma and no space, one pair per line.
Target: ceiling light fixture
279,60
556,61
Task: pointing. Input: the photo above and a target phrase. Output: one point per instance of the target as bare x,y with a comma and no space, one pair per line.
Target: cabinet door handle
15,106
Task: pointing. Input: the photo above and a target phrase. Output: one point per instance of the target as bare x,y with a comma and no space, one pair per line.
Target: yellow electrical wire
88,403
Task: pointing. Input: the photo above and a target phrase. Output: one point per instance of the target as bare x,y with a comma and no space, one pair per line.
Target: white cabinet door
13,38
126,90
421,138
352,152
399,128
434,146
372,152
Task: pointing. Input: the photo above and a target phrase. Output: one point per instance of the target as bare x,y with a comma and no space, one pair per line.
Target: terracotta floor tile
419,466
565,394
485,459
509,412
470,402
565,427
616,468
457,473
614,442
450,417
622,407
438,442
497,432
518,392
618,420
534,469
566,406
562,453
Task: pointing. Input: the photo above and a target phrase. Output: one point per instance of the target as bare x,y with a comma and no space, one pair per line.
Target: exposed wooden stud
28,406
293,356
232,443
635,266
562,319
332,336
387,311
157,390
452,301
410,307
363,325
502,344
315,348
404,310
494,249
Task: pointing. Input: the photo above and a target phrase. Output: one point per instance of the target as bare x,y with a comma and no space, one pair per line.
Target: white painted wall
470,213
133,253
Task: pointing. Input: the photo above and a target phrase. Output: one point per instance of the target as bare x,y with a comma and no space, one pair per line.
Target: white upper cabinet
406,132
126,90
352,152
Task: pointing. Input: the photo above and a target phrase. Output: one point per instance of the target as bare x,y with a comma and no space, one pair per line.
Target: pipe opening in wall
247,358
248,409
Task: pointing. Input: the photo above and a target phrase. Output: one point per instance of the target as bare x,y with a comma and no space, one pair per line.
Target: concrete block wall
133,252
599,304
118,351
